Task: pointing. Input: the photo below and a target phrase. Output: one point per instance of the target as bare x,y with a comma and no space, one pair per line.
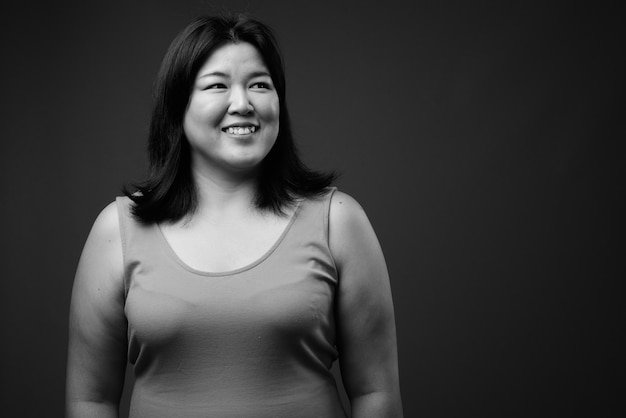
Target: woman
234,277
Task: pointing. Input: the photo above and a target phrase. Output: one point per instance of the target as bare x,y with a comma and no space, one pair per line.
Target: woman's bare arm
97,333
366,326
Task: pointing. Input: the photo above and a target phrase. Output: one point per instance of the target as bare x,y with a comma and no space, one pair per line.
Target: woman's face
231,120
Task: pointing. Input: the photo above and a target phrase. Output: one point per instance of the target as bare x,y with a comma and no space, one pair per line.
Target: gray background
484,140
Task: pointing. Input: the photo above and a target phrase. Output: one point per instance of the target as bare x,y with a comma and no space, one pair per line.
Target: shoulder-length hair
169,192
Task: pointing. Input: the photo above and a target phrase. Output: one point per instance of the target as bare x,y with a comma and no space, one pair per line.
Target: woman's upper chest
230,244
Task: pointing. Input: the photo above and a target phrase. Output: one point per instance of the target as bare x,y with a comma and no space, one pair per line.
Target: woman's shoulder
339,203
102,256
107,223
350,231
345,209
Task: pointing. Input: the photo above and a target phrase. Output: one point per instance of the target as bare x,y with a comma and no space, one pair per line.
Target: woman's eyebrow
215,74
221,74
259,74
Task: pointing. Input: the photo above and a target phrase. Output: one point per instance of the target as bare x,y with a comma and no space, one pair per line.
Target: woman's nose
240,102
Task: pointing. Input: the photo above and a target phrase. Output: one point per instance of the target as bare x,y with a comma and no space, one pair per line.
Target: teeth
237,130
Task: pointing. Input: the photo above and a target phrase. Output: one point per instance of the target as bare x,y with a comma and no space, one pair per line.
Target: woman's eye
261,85
215,86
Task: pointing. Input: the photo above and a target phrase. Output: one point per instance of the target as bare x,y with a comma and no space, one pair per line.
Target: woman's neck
224,196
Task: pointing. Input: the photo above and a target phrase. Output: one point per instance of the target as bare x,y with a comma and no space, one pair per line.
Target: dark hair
169,192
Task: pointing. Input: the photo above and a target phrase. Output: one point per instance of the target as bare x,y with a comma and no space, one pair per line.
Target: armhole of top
122,210
329,198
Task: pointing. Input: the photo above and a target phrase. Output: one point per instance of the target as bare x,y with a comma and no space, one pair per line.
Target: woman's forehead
234,58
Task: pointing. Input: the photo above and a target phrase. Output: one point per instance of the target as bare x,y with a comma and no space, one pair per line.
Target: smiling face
231,121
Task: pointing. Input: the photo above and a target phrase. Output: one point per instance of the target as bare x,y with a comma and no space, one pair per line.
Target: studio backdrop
485,142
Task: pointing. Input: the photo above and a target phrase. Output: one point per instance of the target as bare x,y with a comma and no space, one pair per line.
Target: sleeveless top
253,342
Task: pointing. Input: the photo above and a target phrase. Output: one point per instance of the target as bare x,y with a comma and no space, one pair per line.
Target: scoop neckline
238,270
